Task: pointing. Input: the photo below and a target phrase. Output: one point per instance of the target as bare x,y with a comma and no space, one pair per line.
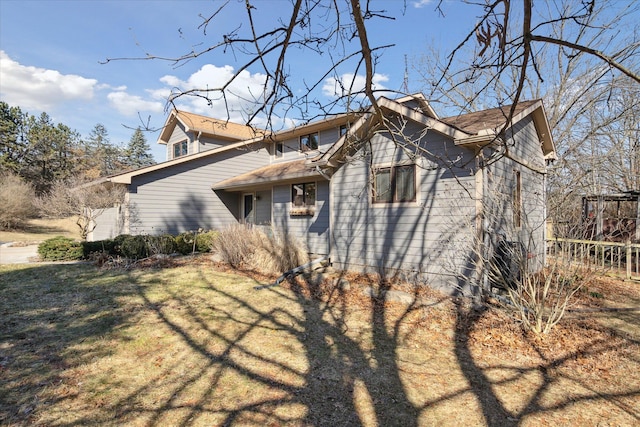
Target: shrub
278,252
164,244
16,201
105,246
133,247
60,249
206,240
273,252
191,241
117,243
539,299
185,242
236,243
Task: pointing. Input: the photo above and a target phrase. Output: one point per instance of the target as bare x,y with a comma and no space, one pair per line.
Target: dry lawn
192,343
38,230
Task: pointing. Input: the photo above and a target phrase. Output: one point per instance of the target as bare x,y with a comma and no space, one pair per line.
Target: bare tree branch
606,58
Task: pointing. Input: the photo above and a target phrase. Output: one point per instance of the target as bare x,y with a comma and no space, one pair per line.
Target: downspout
198,141
323,173
293,272
330,234
483,224
127,211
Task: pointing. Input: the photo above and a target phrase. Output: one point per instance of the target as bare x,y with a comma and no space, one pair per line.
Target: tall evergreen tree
137,153
102,157
50,155
13,142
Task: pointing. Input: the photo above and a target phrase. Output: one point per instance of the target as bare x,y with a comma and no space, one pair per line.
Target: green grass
193,345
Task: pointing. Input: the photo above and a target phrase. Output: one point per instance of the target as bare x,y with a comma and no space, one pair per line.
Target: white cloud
421,3
350,83
38,88
246,91
130,105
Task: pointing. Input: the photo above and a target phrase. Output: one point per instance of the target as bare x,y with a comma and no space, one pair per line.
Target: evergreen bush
105,246
203,241
60,249
164,244
134,247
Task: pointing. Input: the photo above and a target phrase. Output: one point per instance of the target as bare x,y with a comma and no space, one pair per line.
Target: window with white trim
180,149
278,149
309,142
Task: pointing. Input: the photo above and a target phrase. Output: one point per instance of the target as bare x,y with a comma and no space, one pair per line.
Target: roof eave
313,127
254,183
125,178
365,123
165,134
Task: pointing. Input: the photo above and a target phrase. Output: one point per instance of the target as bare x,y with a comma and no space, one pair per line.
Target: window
303,194
517,200
343,129
395,184
309,142
180,149
278,149
303,199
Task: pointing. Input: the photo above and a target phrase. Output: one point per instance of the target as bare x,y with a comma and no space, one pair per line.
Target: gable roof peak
490,118
199,124
420,102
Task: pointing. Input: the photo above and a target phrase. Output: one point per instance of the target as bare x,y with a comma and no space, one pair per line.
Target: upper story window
395,184
278,149
180,149
309,142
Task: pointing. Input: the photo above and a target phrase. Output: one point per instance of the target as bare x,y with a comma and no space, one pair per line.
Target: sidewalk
18,254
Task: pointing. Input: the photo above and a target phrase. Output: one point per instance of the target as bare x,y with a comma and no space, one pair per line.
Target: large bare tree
506,41
591,105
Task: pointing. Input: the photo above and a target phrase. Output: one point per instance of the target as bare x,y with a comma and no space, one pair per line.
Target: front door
248,208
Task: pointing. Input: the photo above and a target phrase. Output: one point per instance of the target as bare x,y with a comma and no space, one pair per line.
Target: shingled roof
222,129
492,118
277,172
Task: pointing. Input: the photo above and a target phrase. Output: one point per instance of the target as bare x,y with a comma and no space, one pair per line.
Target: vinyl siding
291,146
263,207
179,198
529,162
194,146
312,230
432,235
209,143
109,224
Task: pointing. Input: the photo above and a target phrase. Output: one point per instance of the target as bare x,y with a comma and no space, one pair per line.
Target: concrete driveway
18,254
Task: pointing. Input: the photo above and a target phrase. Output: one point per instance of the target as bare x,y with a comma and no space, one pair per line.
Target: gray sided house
402,190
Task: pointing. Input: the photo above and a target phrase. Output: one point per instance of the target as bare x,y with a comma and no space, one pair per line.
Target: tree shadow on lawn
302,360
222,353
45,311
559,385
313,386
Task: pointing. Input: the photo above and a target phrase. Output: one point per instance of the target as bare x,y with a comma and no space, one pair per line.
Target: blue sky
51,53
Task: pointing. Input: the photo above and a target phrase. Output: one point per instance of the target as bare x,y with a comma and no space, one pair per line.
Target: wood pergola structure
612,217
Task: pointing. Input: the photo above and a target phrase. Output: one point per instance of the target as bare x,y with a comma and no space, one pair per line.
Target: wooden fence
622,259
